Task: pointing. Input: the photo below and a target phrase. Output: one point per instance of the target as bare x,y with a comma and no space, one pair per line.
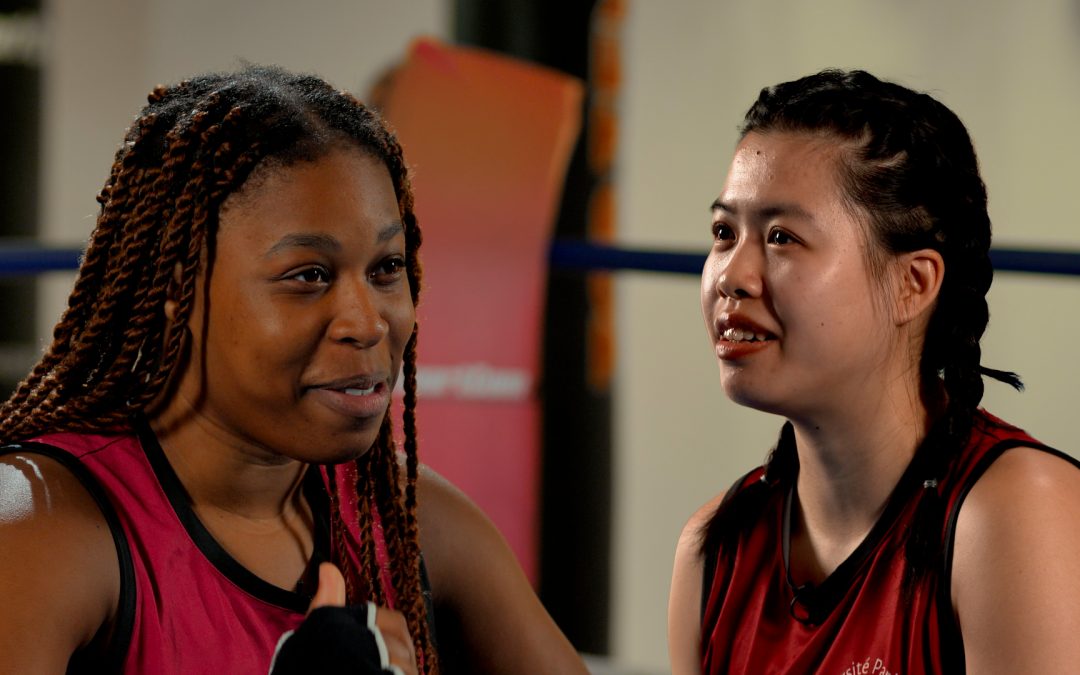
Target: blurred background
634,432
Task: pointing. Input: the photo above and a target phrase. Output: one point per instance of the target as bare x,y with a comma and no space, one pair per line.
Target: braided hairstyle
112,354
908,164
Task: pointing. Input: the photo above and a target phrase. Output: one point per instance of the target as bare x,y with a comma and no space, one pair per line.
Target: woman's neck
850,462
250,501
222,473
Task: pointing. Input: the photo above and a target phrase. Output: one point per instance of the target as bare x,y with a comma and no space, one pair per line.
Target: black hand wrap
334,640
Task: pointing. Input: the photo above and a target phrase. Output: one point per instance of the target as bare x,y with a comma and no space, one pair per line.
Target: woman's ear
172,293
920,275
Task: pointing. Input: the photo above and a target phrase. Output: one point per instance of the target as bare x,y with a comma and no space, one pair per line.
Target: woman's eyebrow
320,242
325,243
767,211
390,231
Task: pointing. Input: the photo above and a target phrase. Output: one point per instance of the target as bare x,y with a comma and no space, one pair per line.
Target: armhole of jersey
710,555
952,641
115,652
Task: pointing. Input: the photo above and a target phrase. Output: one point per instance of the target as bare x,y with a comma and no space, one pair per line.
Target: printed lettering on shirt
869,666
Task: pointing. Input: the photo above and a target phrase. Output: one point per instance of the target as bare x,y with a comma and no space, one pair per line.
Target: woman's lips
354,401
743,347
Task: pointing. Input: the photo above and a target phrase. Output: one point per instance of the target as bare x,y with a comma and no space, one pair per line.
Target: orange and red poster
488,139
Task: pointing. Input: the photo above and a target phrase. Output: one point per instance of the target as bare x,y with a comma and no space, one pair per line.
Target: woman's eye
390,269
780,237
722,232
311,275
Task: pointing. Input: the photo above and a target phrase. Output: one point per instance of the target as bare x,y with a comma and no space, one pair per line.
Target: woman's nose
739,273
357,317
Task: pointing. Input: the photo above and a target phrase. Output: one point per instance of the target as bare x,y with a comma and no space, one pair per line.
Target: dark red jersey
858,621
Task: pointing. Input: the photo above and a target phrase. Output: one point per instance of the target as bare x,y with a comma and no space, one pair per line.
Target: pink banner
488,139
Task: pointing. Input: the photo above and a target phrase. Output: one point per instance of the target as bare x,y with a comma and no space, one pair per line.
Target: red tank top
857,621
186,606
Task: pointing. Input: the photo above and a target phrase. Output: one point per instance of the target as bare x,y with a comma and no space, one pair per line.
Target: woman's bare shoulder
1015,584
454,531
59,572
701,517
476,577
684,599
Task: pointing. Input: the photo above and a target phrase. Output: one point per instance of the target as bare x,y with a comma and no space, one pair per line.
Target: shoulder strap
108,651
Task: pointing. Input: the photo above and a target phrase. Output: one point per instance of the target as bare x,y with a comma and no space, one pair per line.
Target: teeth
352,391
740,335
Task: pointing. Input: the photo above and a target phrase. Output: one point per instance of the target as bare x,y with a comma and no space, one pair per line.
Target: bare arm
59,574
1016,570
684,603
473,571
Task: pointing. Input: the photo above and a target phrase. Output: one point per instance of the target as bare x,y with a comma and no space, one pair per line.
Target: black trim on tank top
115,650
314,491
812,603
297,599
953,660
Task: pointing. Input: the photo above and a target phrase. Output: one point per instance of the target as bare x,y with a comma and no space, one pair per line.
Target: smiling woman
309,313
896,526
211,425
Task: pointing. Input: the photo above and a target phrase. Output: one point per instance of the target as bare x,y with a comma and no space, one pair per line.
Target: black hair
908,164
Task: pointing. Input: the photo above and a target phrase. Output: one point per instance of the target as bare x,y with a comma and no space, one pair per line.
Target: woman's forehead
338,183
786,168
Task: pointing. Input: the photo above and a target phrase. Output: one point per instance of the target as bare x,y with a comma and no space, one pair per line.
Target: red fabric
748,626
189,617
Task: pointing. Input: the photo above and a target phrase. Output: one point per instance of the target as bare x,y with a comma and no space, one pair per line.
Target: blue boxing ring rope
25,259
585,256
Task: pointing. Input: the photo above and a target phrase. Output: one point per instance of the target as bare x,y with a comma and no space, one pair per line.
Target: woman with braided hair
896,527
211,424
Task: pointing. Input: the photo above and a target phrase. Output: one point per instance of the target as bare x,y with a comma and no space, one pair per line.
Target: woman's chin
750,397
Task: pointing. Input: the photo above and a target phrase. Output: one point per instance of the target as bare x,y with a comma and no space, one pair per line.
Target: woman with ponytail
896,527
206,453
